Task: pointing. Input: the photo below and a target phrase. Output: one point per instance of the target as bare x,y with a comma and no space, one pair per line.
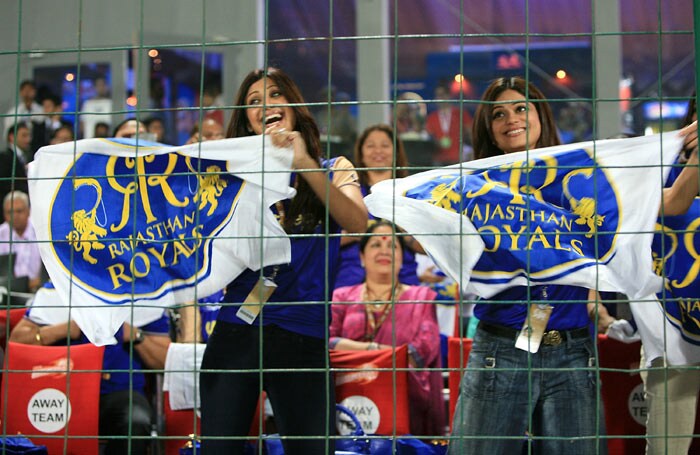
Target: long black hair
306,211
482,136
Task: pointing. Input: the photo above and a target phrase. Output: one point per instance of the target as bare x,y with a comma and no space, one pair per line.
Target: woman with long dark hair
289,335
379,155
507,393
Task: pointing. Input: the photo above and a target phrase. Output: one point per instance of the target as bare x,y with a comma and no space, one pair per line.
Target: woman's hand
292,139
345,205
678,198
690,143
429,276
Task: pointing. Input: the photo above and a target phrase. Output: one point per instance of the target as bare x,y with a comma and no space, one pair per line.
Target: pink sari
416,323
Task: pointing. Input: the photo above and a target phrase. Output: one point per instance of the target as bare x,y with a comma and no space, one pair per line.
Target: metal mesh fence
605,69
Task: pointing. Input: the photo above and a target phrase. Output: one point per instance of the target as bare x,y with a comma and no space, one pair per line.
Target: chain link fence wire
357,63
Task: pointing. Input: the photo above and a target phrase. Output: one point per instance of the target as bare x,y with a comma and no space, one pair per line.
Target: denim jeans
510,398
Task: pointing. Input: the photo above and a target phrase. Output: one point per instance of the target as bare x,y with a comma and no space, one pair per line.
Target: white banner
121,225
580,214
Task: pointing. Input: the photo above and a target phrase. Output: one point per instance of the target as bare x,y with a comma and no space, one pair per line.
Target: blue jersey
308,278
208,312
351,272
509,308
118,357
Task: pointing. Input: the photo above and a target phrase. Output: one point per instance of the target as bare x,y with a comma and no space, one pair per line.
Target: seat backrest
369,393
182,424
622,392
9,318
53,391
458,350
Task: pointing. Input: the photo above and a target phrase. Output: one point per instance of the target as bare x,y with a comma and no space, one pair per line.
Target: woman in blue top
508,394
292,329
381,153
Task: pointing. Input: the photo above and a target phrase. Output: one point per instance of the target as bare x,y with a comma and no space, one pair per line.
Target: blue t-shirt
208,311
301,281
351,272
118,357
570,306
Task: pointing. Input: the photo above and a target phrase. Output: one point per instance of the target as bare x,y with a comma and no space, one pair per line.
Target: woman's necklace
377,309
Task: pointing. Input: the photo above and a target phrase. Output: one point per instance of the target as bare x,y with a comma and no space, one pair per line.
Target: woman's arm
426,342
345,344
413,244
348,239
604,319
344,204
190,324
678,197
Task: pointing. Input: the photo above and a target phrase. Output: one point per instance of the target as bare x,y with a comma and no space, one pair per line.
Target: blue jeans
510,398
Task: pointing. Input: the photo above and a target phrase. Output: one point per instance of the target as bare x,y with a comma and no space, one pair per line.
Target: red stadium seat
14,316
53,391
623,398
369,393
181,423
458,350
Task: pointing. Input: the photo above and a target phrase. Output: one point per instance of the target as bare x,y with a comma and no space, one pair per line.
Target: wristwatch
138,339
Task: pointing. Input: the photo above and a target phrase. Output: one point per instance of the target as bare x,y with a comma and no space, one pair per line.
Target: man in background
13,162
17,236
28,110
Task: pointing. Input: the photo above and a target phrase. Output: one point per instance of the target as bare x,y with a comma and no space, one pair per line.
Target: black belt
550,338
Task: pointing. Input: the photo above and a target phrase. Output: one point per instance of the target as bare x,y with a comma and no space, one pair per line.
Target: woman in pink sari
366,315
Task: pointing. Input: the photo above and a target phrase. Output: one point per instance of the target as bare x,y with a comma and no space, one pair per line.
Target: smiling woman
513,117
383,312
379,155
289,335
495,404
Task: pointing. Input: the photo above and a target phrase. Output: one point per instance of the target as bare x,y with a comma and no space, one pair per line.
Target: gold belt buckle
552,338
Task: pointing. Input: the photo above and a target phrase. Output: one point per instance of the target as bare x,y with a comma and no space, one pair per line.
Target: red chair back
369,393
181,423
53,391
623,399
458,350
623,396
9,318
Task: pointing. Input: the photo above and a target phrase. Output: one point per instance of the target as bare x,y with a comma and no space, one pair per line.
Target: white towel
182,365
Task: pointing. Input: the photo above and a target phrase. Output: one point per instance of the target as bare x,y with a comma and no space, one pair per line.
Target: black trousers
303,401
115,419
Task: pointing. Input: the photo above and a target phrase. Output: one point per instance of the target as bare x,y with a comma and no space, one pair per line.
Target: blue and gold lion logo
546,217
142,225
676,252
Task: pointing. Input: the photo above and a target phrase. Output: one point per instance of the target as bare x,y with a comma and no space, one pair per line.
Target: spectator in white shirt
97,109
17,236
28,110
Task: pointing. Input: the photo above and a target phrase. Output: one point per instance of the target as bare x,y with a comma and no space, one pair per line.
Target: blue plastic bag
406,446
358,442
19,445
